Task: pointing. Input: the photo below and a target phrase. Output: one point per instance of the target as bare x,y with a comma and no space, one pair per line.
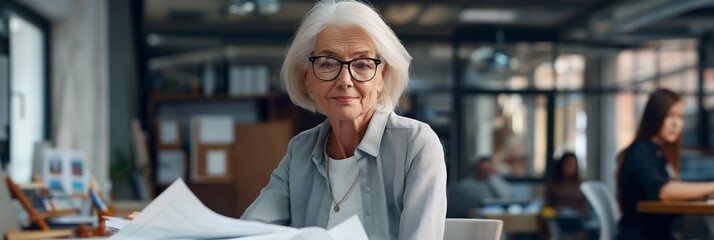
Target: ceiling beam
619,20
633,16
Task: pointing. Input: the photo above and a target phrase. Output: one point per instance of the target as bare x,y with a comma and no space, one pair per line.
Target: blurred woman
563,189
563,194
648,169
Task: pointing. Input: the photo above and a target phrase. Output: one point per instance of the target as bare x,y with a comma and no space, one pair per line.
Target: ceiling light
247,7
267,7
500,60
401,14
436,15
241,7
487,16
154,39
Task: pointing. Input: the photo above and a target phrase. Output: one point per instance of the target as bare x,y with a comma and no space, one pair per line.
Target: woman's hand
133,215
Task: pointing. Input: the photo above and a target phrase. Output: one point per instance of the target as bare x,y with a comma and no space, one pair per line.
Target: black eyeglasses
328,68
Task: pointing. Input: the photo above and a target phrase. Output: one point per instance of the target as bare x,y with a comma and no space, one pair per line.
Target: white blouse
343,173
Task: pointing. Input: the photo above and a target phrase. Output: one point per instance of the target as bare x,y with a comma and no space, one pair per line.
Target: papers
115,224
178,214
350,229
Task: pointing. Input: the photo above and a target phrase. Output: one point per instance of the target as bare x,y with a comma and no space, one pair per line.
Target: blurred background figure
564,196
470,193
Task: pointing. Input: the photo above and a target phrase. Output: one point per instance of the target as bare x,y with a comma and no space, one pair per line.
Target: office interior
137,87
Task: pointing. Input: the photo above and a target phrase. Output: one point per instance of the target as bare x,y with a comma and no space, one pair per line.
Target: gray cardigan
402,175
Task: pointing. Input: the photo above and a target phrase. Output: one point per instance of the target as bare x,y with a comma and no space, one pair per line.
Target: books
178,214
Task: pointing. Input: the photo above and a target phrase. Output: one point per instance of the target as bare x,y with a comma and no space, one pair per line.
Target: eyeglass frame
377,61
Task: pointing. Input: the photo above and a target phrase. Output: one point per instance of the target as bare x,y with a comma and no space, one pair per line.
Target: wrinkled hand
133,215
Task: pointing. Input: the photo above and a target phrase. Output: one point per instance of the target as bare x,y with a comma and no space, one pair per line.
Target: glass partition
512,128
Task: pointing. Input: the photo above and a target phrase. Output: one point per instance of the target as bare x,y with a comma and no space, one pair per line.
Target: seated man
469,193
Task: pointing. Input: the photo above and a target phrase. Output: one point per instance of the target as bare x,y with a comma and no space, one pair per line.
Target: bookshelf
263,126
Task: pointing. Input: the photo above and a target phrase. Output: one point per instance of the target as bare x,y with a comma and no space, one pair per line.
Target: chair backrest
472,229
603,202
9,221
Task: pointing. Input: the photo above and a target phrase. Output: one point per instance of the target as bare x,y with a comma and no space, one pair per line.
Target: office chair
603,202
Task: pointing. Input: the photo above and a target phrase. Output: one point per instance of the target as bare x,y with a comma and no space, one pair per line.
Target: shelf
193,98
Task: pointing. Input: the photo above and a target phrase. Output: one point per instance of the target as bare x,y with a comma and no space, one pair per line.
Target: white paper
308,233
115,223
216,163
350,229
215,129
169,131
178,214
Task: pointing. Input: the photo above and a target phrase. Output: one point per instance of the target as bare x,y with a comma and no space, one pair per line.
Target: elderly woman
364,160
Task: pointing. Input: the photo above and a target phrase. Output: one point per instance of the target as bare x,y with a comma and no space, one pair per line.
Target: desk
522,223
680,207
126,207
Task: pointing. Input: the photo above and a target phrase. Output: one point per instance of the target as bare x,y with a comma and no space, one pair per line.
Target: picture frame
213,164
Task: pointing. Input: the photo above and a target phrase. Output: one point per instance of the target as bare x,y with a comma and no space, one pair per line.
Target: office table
680,207
517,223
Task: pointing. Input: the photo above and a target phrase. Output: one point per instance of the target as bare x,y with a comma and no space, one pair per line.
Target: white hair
346,13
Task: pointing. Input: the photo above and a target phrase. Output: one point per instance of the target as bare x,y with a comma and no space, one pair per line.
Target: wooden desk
680,207
122,208
37,234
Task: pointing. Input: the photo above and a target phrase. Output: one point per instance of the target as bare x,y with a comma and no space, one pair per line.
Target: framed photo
64,169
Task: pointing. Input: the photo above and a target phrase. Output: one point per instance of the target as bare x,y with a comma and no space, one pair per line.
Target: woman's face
344,98
673,123
570,167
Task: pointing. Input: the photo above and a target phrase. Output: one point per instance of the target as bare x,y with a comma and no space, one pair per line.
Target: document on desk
178,214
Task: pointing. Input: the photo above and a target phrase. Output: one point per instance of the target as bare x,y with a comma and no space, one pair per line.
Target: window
27,84
512,128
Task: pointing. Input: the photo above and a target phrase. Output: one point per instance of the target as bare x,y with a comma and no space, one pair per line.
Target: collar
370,142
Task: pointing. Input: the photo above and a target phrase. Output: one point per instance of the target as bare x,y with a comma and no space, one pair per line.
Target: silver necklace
329,183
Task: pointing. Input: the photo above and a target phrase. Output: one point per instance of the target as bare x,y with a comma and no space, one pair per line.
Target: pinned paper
216,163
169,131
